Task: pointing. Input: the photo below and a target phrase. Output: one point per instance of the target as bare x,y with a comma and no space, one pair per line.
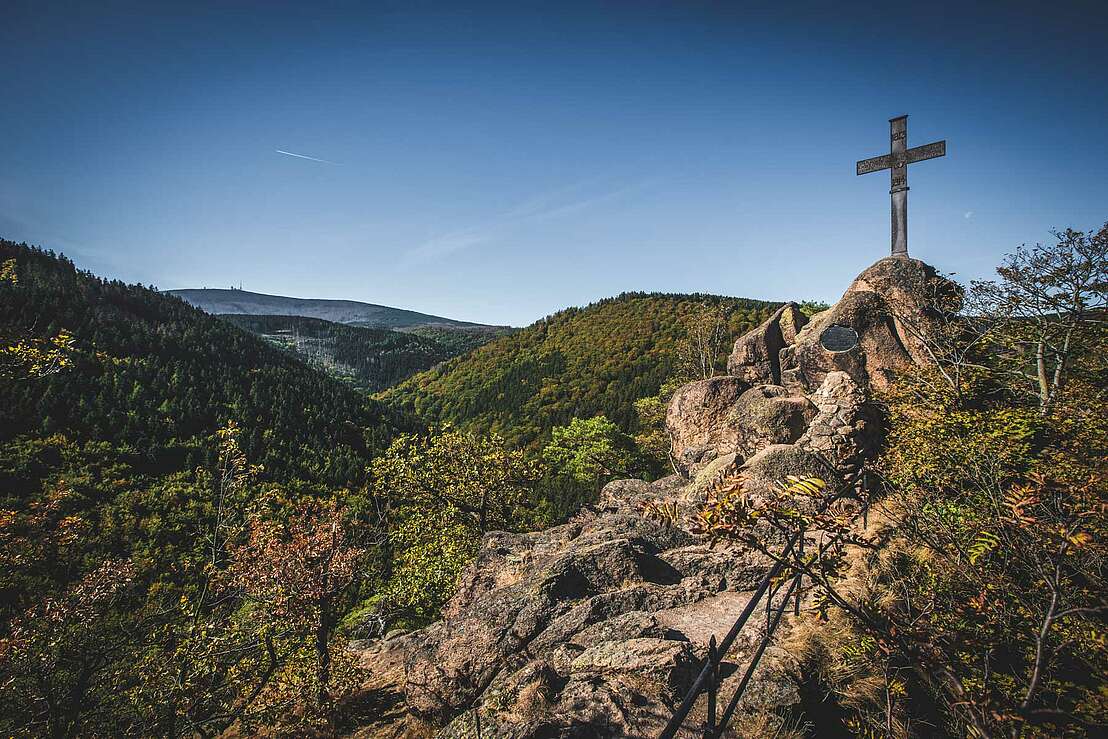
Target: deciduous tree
1050,303
706,332
590,451
294,576
443,492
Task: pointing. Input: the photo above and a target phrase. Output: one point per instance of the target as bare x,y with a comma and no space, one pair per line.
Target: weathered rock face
756,356
697,420
586,629
775,463
861,342
886,310
713,418
768,414
847,430
596,628
909,288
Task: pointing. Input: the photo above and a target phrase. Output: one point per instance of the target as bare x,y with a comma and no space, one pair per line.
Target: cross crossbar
911,156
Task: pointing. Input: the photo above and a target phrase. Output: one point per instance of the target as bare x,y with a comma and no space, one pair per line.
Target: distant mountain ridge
243,302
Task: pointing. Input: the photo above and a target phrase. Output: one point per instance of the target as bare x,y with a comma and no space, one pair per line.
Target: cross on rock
897,161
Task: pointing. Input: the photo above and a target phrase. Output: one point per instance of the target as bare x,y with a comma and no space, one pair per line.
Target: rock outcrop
872,333
756,355
769,414
724,415
698,420
596,628
589,629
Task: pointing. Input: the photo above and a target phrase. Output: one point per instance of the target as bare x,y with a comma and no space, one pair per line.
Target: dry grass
839,655
766,725
533,701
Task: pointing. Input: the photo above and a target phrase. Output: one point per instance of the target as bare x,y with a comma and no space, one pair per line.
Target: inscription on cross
897,161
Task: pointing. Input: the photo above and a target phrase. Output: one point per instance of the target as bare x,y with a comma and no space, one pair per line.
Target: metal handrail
696,688
726,717
710,671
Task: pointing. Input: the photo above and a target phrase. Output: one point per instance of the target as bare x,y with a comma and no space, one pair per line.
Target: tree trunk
1059,368
1044,383
1040,651
323,658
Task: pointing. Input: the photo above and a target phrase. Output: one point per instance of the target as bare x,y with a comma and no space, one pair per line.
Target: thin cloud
579,205
440,246
538,209
305,156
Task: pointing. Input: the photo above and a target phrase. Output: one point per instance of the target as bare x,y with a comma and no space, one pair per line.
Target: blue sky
502,161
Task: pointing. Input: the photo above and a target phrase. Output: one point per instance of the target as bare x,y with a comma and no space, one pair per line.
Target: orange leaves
1080,539
1018,501
37,633
296,567
1067,513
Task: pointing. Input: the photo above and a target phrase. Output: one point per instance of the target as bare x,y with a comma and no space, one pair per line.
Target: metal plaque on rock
837,338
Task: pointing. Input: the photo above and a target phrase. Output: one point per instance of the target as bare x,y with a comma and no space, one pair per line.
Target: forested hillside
146,451
457,340
367,358
579,362
158,376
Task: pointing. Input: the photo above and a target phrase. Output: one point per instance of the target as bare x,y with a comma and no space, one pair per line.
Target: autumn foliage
963,593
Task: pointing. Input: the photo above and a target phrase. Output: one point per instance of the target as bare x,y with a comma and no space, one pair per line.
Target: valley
370,347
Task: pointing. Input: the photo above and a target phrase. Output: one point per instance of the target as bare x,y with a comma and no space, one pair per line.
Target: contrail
304,156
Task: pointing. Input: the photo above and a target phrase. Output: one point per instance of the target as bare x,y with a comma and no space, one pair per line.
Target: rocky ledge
596,628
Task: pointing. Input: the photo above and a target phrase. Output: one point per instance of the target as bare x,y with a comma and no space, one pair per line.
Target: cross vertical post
897,161
898,184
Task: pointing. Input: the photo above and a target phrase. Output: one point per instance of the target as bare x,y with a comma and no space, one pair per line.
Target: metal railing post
713,688
698,683
725,718
769,603
799,574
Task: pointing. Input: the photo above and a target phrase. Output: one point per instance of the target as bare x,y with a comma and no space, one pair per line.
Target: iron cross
897,160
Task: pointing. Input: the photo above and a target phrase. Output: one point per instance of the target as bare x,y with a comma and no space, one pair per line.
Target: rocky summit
596,628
